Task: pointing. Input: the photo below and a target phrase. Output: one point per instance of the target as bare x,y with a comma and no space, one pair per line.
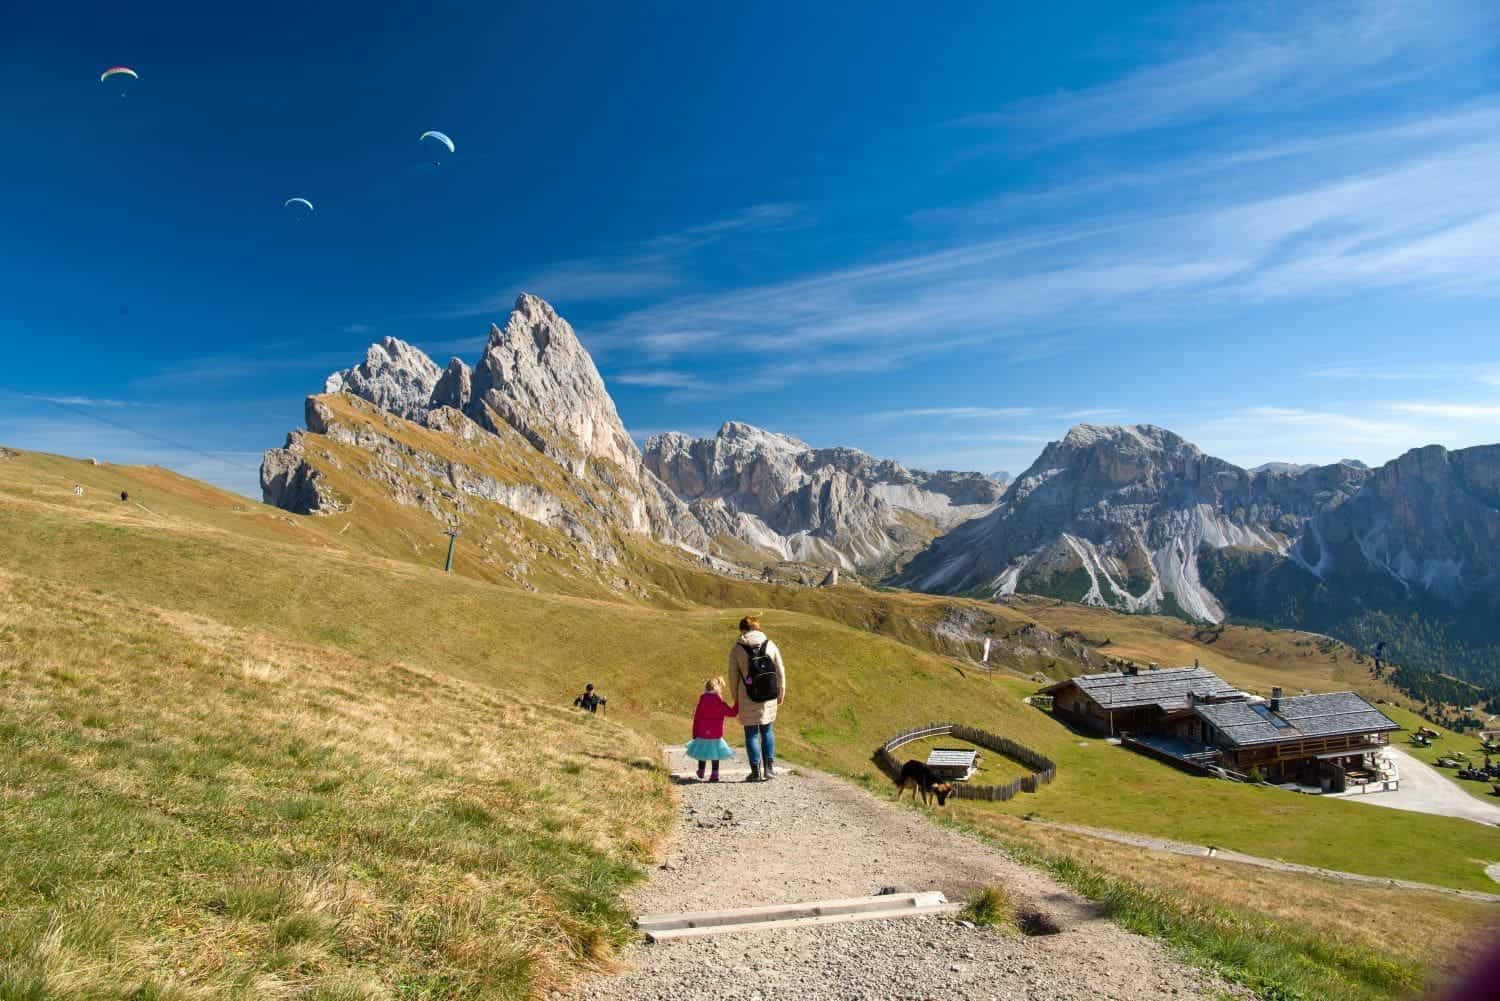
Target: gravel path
806,836
1424,789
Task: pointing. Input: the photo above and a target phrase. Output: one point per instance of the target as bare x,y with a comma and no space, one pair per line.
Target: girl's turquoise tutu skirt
709,750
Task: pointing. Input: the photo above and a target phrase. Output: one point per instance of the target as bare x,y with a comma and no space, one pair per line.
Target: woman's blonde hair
749,624
715,685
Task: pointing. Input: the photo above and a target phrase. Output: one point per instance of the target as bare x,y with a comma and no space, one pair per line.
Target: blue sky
1274,228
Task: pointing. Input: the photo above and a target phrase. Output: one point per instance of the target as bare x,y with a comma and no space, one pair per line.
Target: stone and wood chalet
1197,718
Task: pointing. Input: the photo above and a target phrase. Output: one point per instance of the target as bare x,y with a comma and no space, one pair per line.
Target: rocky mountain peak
394,376
743,435
537,377
1129,437
455,387
534,379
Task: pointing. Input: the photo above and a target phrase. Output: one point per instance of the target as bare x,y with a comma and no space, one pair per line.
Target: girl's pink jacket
708,720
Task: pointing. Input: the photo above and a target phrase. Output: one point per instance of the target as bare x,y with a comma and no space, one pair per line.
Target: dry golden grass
197,810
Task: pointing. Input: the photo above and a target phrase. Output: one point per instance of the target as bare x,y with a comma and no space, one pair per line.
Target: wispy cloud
79,401
1452,411
955,413
215,369
664,379
1426,220
1326,51
1479,371
767,217
650,267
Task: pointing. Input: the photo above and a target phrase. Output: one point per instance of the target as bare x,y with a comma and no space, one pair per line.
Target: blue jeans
759,742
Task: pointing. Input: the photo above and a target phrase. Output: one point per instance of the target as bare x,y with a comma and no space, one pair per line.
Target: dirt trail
807,836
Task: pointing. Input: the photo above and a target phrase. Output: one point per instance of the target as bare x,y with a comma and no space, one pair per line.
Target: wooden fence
1043,768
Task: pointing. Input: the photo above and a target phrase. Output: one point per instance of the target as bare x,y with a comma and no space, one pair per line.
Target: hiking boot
754,775
770,772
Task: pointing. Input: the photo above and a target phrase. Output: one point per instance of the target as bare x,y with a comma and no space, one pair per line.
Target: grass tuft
990,908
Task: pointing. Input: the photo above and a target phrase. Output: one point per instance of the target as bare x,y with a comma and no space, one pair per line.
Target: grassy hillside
849,689
258,692
192,803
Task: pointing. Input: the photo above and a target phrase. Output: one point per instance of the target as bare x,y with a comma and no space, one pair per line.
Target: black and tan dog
923,778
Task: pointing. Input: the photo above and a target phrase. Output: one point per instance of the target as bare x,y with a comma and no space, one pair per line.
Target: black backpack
762,683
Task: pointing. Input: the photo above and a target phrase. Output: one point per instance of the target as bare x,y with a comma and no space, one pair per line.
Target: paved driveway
1424,789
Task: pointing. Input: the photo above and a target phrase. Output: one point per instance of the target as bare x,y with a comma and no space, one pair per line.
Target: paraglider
440,137
123,71
298,201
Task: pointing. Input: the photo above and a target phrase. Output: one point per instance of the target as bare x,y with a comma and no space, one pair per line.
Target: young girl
708,728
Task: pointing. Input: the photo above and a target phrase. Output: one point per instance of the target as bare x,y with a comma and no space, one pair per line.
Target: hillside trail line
808,836
1261,862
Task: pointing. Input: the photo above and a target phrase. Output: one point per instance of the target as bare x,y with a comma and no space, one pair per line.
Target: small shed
955,764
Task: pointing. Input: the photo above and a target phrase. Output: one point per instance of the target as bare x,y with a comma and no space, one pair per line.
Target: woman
757,683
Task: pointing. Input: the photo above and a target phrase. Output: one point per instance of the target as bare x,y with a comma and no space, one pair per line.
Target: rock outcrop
1117,516
830,505
394,376
537,377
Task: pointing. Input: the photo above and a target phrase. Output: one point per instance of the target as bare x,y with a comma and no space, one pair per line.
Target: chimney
1195,663
1275,699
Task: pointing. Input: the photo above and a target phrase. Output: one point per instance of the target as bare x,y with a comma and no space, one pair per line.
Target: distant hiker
78,490
757,681
708,742
124,497
590,699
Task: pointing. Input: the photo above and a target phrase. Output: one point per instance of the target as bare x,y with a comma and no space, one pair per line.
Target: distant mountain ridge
828,505
1138,519
745,495
1133,518
1116,516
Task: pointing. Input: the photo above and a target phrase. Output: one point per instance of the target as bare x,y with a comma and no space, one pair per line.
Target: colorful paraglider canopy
298,201
440,138
119,71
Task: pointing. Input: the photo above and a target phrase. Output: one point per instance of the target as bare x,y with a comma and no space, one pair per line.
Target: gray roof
1335,714
1167,688
952,757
